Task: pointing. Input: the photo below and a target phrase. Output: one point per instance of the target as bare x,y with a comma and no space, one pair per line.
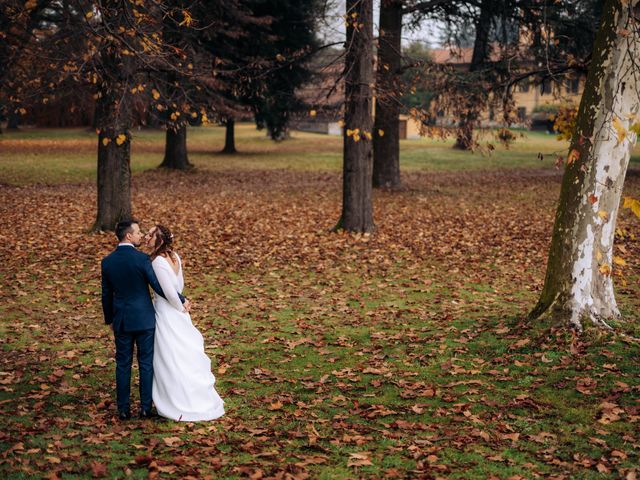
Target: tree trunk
357,208
175,152
578,284
471,109
386,131
229,137
13,119
114,162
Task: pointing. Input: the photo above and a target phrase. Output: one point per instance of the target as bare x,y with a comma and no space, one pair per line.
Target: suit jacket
126,301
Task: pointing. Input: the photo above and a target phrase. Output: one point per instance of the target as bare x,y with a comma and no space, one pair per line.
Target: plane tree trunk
578,285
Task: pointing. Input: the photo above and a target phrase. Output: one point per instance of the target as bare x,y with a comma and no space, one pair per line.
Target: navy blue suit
126,302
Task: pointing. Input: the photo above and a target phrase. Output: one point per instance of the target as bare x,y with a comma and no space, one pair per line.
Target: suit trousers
143,341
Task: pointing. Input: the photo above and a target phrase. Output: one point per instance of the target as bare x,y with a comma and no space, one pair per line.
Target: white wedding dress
183,385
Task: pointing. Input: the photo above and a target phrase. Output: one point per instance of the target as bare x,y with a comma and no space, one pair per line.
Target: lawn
404,354
68,155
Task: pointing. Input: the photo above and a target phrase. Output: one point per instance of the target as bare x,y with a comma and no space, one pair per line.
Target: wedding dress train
183,385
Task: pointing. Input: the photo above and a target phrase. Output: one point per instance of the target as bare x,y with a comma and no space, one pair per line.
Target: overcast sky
333,29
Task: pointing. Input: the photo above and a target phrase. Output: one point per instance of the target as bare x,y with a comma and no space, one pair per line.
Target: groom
126,302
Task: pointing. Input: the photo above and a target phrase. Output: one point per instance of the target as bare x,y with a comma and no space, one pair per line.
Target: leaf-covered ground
404,354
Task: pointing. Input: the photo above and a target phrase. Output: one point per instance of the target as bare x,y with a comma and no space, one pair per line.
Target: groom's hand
187,306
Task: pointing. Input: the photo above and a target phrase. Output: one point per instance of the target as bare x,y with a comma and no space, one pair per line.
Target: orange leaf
573,156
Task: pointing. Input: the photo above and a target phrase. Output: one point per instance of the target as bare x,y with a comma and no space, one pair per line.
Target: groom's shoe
147,414
124,415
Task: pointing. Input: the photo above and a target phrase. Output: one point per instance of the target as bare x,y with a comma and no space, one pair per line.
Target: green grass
406,352
53,156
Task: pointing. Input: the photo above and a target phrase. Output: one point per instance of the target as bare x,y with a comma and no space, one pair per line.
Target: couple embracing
174,370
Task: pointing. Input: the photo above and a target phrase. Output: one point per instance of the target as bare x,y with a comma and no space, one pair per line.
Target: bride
183,385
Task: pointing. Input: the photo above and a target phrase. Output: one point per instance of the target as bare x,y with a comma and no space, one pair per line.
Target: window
575,85
524,86
522,113
546,87
572,85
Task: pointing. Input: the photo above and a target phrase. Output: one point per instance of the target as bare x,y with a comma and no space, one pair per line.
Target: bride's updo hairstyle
163,243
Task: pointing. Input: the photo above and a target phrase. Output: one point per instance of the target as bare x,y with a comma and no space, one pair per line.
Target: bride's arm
155,285
163,273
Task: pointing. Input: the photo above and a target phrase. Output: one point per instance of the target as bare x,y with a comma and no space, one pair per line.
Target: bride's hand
187,306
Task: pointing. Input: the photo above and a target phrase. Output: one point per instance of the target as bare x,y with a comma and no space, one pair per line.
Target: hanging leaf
620,130
573,156
619,261
632,204
605,269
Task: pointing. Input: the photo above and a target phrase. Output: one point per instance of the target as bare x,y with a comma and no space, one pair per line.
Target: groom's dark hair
124,227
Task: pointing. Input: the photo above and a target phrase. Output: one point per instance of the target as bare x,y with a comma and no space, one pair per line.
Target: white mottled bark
579,284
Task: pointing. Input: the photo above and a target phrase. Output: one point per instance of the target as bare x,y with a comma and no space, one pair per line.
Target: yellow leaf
356,137
120,139
632,204
155,93
367,134
105,141
598,256
187,19
603,215
380,132
619,261
620,130
313,113
635,128
341,123
605,269
89,15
